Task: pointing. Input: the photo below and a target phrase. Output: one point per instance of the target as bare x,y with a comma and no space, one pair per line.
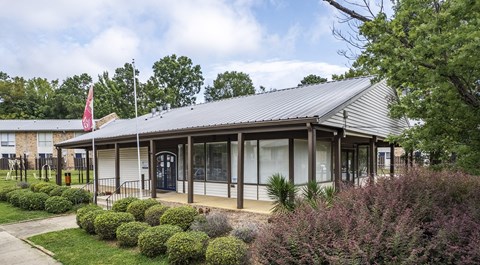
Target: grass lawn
75,246
31,179
11,214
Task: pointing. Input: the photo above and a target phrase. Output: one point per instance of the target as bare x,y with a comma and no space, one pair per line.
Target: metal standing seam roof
40,125
294,103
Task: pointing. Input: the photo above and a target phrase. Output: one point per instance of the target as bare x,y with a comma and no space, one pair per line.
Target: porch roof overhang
251,127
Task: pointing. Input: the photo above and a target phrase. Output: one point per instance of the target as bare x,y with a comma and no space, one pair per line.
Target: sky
276,42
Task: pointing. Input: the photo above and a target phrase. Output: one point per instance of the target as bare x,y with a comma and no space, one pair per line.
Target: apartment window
217,159
199,161
7,139
250,162
273,159
8,155
45,139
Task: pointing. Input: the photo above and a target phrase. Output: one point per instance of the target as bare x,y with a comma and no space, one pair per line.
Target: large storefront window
180,162
301,161
363,160
273,159
324,161
199,161
217,159
250,162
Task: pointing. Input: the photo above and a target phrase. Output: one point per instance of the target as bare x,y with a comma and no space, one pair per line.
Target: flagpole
93,152
140,191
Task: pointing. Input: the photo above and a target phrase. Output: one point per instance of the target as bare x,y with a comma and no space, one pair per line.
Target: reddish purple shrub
423,217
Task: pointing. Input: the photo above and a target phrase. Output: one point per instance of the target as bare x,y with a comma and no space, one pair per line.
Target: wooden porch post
153,170
291,161
312,151
373,158
87,162
59,166
190,168
240,171
117,168
229,166
337,159
392,160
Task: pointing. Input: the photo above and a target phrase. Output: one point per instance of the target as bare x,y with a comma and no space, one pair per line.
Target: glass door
166,171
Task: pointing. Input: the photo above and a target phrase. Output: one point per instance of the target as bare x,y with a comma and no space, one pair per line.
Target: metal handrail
130,188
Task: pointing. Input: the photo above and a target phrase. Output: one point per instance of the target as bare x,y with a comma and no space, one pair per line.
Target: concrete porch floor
253,206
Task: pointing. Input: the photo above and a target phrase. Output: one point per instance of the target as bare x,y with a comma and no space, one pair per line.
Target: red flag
87,120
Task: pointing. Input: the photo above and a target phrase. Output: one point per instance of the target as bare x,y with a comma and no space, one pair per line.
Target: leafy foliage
229,84
214,225
182,216
227,251
138,207
246,232
82,211
312,79
127,233
187,247
58,190
23,185
87,220
47,189
152,241
13,197
122,204
282,192
4,191
57,204
153,214
106,224
32,200
421,218
77,196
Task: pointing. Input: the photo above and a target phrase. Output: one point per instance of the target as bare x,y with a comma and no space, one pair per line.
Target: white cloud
278,73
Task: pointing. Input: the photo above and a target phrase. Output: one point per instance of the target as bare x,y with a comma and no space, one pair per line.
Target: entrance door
348,170
166,171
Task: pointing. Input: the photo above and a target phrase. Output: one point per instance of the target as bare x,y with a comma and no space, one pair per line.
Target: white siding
250,192
262,194
199,188
216,189
180,187
129,163
233,191
106,163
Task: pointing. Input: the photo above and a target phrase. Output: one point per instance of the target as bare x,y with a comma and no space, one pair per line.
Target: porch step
102,202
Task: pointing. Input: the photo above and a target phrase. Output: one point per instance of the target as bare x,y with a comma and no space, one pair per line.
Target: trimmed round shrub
82,211
23,185
47,189
58,190
106,224
247,233
182,216
33,200
215,224
122,204
187,247
153,214
152,242
38,186
138,208
127,233
57,204
4,191
226,251
76,196
13,197
87,220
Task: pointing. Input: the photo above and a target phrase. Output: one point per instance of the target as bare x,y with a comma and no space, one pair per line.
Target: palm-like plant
312,193
282,192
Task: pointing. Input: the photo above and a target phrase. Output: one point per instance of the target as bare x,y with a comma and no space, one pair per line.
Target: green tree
428,50
312,79
69,99
229,84
175,81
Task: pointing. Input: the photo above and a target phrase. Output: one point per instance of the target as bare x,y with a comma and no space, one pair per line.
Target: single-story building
327,133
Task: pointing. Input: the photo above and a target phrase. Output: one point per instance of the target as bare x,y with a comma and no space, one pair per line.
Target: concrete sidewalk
13,250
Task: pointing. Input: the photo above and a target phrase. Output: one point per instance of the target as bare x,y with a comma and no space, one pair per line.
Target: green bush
4,191
87,220
247,232
82,211
47,189
76,196
227,251
152,242
122,204
187,247
127,233
215,224
36,187
182,216
13,197
23,185
33,201
153,214
106,224
138,208
57,204
58,190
